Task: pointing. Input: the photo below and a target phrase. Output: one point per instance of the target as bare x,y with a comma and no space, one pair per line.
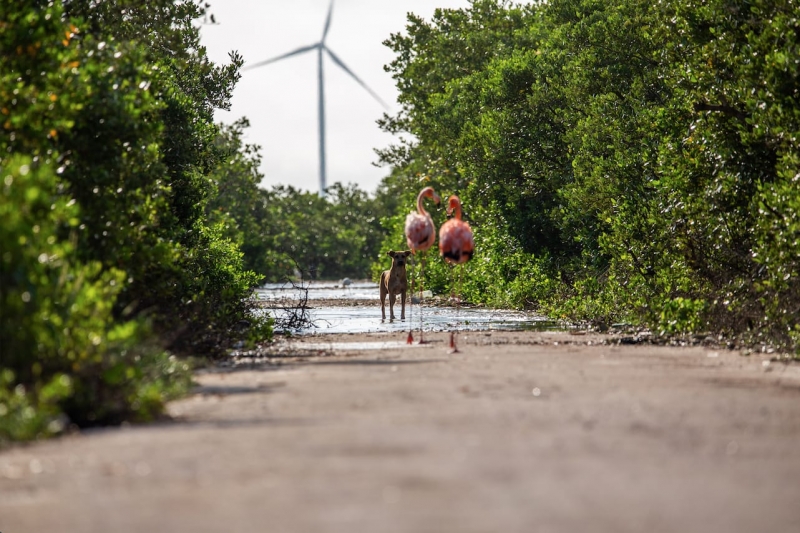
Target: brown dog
394,282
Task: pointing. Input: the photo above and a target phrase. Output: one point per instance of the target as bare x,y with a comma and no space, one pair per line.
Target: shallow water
365,317
321,290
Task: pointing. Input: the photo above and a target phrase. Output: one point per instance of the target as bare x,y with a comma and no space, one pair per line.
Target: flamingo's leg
421,291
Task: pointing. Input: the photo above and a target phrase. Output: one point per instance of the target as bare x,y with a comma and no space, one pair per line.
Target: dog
394,282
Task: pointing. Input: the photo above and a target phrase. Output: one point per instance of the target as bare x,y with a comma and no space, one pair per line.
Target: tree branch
728,110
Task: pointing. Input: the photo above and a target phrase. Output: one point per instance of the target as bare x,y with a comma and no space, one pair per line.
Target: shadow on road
225,390
375,362
179,422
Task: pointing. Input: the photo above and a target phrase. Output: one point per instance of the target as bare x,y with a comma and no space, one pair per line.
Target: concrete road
520,432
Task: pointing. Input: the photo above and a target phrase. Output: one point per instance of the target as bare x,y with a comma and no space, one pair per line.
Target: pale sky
280,99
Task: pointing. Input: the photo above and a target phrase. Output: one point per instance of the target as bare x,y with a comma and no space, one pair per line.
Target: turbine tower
321,47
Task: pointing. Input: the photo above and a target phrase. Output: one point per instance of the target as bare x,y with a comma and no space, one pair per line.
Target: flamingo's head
454,204
430,192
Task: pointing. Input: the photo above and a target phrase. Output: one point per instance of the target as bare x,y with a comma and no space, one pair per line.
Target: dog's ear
407,253
390,253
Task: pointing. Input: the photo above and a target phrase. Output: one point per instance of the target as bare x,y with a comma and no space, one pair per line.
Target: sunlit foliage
108,256
322,238
618,159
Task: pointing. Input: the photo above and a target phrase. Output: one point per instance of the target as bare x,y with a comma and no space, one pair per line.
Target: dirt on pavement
519,432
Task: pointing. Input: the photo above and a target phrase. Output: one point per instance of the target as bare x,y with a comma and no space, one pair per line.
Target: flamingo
420,235
456,244
420,231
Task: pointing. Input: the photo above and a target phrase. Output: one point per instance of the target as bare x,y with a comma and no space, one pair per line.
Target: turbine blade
300,50
327,22
352,74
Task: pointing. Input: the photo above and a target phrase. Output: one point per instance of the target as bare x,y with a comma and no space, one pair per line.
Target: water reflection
321,290
356,309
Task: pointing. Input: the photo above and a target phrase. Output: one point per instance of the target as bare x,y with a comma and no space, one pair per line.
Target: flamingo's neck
455,205
427,191
419,204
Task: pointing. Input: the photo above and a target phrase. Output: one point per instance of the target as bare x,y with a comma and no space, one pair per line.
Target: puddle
364,315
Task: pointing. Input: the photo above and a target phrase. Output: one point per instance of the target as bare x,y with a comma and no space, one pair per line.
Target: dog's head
399,259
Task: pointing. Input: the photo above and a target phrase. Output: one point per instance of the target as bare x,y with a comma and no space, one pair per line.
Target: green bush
63,350
28,415
107,254
681,315
645,154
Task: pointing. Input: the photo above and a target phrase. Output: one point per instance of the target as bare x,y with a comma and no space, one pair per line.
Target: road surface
520,432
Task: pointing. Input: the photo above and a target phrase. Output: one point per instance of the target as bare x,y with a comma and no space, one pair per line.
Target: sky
280,99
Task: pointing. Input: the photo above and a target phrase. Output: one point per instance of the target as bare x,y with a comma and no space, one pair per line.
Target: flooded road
335,308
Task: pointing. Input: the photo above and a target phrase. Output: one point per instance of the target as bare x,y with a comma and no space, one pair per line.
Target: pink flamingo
420,231
456,244
420,235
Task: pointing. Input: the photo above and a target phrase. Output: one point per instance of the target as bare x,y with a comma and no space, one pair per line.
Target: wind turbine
321,47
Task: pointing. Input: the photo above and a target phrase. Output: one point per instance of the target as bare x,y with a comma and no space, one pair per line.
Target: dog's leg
403,305
383,296
392,298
